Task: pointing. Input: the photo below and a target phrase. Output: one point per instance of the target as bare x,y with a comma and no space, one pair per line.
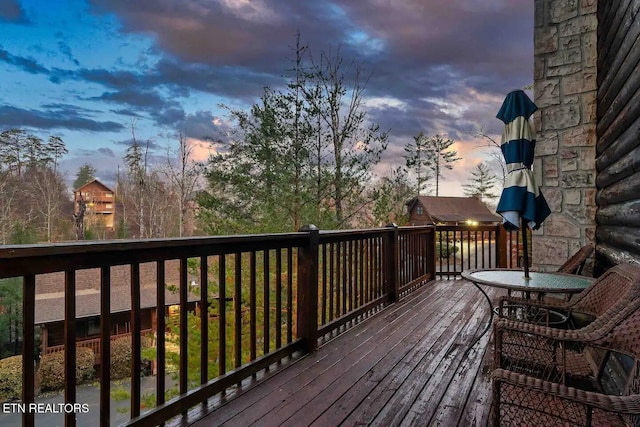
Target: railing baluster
361,296
265,298
105,346
332,250
252,306
183,327
378,267
289,295
237,306
338,277
462,250
136,342
278,319
161,327
350,274
476,248
369,270
222,315
69,344
28,345
440,252
468,249
204,320
324,267
492,236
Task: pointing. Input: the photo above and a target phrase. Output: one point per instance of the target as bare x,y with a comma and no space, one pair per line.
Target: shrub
446,250
51,369
10,378
121,356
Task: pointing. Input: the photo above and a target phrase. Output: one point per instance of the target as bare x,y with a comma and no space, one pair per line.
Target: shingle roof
49,304
91,182
455,209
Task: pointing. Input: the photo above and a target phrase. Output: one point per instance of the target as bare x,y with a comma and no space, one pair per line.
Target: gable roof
454,209
92,182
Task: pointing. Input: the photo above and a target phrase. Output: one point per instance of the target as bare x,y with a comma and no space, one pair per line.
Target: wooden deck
409,365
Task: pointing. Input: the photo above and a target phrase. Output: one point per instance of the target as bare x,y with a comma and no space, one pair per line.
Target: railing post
307,321
390,263
431,253
501,246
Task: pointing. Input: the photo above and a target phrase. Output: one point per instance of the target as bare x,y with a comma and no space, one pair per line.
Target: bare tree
48,193
136,158
8,190
355,148
495,152
183,174
78,219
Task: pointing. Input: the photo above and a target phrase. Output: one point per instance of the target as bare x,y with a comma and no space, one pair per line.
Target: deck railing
460,248
263,298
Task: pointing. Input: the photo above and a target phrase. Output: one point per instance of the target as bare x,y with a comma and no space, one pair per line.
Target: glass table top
514,279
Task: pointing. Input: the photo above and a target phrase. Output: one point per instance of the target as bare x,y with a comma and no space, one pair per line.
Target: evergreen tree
443,157
390,197
418,159
86,173
482,182
299,155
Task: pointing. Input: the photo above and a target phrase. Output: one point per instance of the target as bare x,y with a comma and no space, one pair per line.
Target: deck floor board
407,365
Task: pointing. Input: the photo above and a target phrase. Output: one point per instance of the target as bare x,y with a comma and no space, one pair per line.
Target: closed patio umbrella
521,203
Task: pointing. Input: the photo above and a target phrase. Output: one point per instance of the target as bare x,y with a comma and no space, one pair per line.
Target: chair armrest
548,353
577,335
620,405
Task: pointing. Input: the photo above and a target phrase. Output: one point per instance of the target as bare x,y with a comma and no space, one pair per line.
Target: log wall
618,132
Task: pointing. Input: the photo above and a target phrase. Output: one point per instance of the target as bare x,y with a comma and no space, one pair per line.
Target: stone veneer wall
565,93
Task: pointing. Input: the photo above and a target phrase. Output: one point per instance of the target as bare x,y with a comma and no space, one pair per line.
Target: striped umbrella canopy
521,200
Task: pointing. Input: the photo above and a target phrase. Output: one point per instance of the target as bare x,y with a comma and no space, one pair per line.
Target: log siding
618,147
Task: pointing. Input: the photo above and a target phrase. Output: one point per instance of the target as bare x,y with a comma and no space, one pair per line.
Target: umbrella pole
523,227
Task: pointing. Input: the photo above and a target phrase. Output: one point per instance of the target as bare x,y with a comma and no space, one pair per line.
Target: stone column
565,93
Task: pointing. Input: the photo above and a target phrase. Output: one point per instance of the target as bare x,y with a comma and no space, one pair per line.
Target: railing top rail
11,251
416,228
19,260
467,227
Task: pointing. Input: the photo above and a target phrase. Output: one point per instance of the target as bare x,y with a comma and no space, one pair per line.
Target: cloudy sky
83,69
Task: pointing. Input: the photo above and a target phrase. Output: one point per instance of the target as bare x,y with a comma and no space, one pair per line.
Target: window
108,205
109,195
419,210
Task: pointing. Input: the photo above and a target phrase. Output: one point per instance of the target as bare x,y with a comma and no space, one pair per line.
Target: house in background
49,304
424,210
101,204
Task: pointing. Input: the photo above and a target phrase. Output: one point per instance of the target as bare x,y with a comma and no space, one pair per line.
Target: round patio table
514,280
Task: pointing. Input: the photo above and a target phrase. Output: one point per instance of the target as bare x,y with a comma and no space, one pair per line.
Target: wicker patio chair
556,354
607,295
607,395
575,264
